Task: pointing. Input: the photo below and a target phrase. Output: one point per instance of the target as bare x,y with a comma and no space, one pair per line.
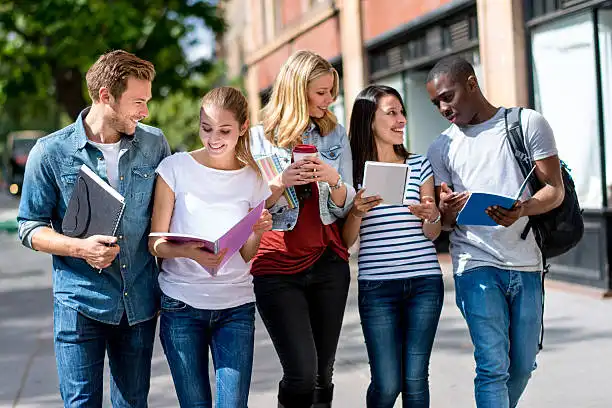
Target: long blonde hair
285,117
232,100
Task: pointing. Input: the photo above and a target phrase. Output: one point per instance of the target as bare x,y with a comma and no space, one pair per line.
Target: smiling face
124,113
455,100
389,121
320,95
219,131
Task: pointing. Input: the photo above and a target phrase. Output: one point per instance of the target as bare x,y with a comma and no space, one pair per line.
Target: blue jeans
399,318
503,311
80,346
186,335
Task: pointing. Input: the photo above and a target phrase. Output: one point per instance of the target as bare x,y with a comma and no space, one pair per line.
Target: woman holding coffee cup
301,272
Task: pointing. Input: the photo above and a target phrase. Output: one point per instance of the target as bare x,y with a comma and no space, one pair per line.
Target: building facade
380,41
230,47
551,55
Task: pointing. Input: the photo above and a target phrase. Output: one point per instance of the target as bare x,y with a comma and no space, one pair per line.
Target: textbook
270,168
387,180
232,240
94,208
473,211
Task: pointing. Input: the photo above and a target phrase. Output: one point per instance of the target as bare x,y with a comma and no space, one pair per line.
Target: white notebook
387,180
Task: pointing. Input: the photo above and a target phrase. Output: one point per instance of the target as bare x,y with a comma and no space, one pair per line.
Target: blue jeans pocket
369,293
246,312
368,285
169,304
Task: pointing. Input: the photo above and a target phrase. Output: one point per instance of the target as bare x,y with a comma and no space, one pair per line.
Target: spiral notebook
95,208
270,168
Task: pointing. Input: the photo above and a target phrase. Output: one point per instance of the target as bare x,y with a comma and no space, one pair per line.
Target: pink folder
232,240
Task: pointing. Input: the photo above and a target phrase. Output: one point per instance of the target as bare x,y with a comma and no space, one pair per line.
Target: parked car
18,146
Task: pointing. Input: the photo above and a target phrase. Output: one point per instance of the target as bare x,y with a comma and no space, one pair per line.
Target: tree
46,46
178,113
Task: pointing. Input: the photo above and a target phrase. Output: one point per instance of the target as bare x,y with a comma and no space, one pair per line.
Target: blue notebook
473,212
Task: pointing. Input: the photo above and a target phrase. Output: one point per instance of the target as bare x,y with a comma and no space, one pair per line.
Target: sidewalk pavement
574,369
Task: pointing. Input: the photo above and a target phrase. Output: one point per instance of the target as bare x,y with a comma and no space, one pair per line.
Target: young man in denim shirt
104,288
497,273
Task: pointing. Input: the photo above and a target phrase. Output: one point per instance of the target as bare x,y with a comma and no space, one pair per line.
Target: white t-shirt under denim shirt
208,202
110,151
479,158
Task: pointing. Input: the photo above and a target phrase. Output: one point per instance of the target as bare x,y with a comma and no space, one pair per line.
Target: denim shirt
130,284
334,149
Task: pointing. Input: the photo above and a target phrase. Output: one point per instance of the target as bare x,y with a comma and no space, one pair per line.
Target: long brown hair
232,100
361,134
285,117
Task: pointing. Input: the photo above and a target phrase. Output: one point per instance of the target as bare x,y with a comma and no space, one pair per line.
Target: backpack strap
514,134
544,272
516,138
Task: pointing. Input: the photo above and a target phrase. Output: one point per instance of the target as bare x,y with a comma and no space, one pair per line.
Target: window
565,92
539,8
604,17
424,122
396,82
337,107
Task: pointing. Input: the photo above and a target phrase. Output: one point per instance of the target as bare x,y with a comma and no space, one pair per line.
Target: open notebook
473,212
232,240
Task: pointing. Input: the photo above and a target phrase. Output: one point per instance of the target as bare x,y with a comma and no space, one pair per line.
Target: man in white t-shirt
497,274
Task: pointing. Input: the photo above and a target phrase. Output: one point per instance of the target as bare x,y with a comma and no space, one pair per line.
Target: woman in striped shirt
400,281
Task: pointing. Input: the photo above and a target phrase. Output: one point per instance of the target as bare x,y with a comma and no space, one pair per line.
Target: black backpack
560,229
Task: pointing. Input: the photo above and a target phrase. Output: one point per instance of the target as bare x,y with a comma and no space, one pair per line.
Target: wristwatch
437,220
338,184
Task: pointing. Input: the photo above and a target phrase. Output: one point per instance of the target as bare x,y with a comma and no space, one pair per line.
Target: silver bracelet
338,184
437,220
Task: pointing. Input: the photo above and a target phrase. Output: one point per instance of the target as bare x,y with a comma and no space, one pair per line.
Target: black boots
323,397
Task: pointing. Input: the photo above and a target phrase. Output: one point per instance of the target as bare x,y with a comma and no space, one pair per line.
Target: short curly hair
112,71
457,68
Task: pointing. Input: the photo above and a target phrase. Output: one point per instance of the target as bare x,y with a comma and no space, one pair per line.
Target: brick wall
323,39
380,16
268,67
291,11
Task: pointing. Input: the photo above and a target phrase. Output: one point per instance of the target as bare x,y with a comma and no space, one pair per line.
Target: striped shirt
391,240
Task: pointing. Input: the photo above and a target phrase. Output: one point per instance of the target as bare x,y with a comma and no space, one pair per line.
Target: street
574,367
